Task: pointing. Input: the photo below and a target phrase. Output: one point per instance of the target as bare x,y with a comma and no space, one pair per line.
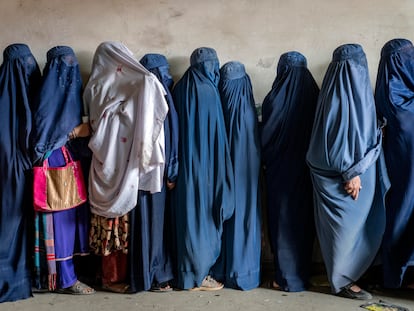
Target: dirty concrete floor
226,299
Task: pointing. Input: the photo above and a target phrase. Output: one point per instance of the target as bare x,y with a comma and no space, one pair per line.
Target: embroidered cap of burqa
345,143
19,82
287,115
239,264
127,109
394,97
150,223
203,192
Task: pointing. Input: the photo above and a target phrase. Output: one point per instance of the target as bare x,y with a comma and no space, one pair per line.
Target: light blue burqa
346,142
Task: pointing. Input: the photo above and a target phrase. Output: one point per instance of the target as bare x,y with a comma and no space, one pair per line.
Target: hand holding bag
58,188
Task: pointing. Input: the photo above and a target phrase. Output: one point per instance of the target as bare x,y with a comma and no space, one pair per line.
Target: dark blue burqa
287,115
150,240
345,143
394,97
239,263
203,197
19,81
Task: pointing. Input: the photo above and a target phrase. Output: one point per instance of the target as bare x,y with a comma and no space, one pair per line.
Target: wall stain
266,62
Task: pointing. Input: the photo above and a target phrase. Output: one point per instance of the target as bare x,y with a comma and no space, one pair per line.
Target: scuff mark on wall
266,62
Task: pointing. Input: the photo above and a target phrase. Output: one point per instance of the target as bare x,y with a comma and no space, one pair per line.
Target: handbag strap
66,156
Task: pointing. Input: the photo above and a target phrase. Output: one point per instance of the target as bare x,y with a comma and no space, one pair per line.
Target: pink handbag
58,188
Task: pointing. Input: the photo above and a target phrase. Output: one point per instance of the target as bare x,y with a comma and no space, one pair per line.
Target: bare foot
355,288
275,285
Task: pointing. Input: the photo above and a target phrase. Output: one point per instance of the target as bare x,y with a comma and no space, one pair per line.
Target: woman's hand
170,185
82,130
353,186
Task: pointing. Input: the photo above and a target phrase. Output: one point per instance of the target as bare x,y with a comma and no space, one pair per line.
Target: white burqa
127,109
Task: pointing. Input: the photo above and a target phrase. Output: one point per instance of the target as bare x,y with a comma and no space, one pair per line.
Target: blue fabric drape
239,262
19,82
394,97
345,143
203,197
151,224
59,107
287,116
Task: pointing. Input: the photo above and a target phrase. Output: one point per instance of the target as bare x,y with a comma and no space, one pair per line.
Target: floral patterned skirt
108,235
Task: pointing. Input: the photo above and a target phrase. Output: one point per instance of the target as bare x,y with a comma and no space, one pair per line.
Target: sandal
162,287
208,284
78,288
120,288
348,292
276,286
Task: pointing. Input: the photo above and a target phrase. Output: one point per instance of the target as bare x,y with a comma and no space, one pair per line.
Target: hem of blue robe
288,286
245,281
394,276
17,290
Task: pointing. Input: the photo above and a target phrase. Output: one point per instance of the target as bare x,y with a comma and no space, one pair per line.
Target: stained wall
255,32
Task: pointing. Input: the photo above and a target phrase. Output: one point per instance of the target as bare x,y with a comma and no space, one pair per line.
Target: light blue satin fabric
346,142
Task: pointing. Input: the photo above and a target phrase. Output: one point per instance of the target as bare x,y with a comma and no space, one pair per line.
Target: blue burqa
56,112
203,197
239,263
287,116
58,109
150,240
394,97
345,143
19,81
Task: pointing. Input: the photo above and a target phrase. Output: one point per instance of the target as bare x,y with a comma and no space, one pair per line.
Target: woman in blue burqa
57,122
239,263
150,242
19,82
203,197
287,115
394,98
348,174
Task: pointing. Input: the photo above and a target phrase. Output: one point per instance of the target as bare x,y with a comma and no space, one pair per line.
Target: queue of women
173,172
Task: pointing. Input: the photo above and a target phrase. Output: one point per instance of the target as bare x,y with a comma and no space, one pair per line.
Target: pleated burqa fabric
203,197
239,263
149,244
345,143
57,111
394,98
127,109
287,115
19,82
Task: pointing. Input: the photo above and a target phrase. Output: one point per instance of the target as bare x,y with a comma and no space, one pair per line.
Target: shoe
120,288
163,287
208,284
78,288
347,292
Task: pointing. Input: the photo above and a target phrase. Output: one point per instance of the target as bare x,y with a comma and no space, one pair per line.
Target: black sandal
162,287
347,292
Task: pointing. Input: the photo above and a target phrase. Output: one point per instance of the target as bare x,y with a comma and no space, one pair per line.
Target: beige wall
254,32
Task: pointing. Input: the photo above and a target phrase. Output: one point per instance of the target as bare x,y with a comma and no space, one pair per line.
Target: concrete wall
254,32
